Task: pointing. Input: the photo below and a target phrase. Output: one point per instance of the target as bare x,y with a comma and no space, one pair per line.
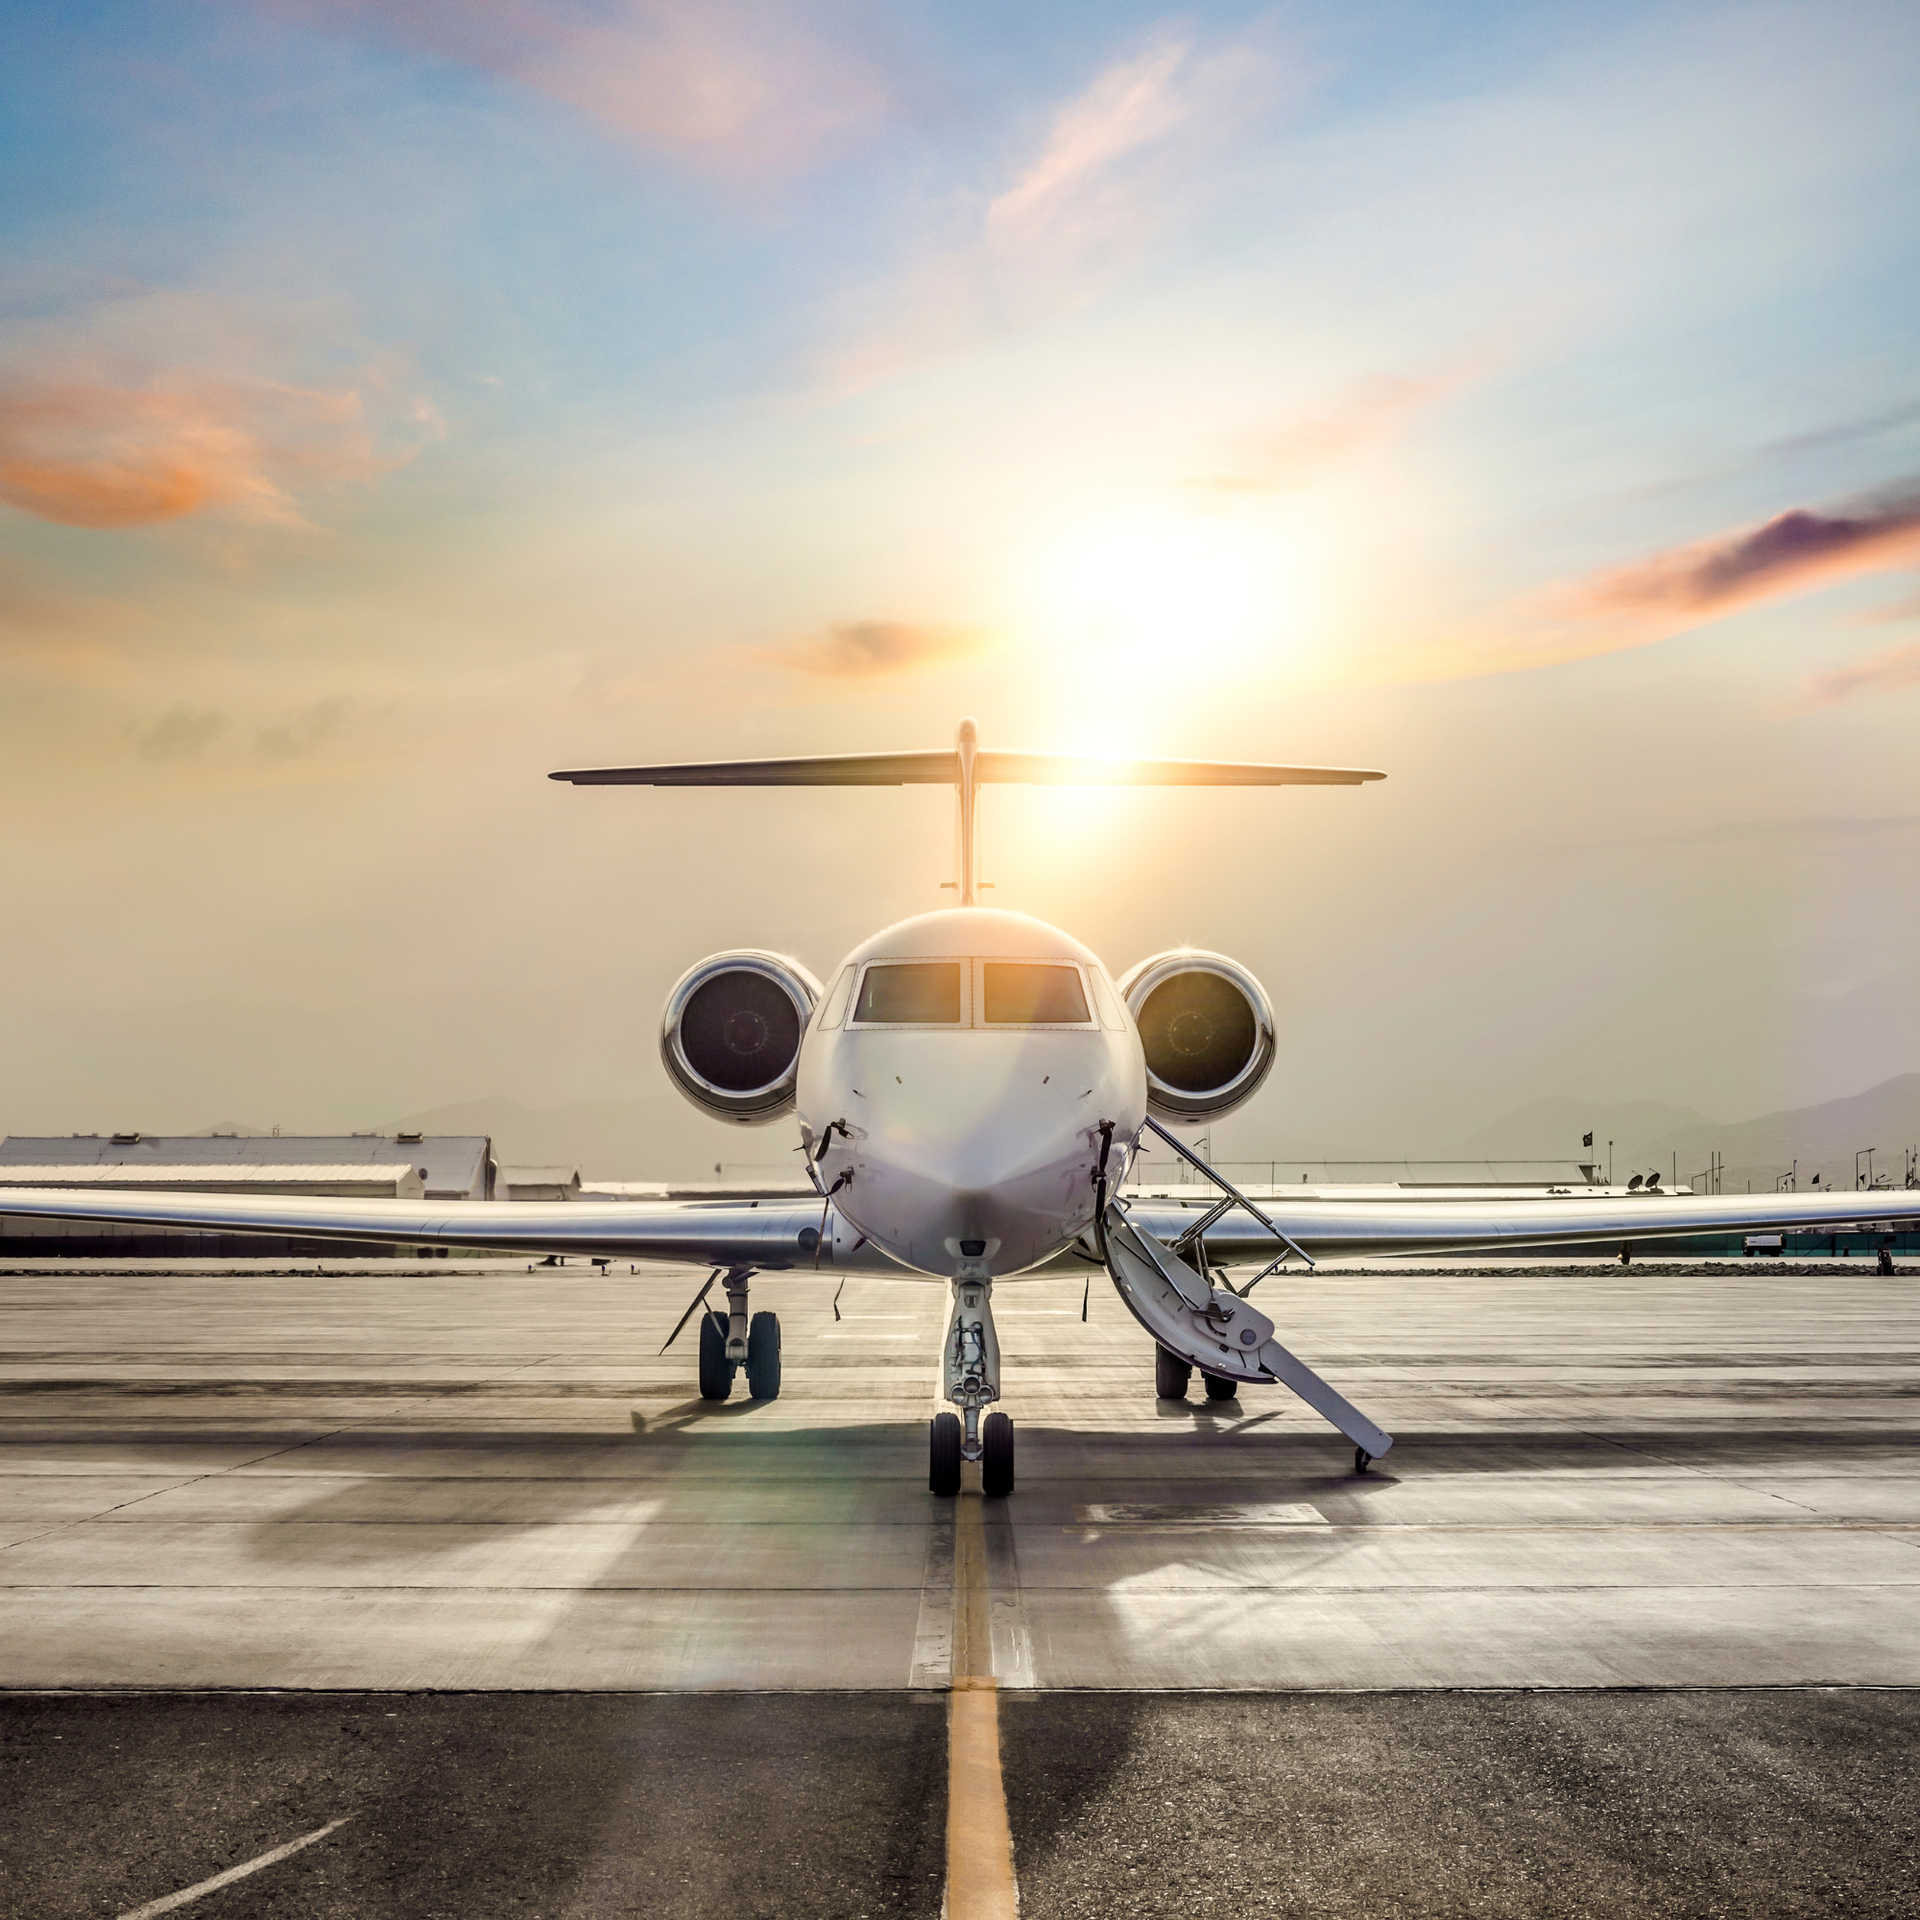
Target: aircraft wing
1413,1224
942,768
765,1234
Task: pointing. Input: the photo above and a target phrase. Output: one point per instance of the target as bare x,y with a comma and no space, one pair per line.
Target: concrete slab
488,1478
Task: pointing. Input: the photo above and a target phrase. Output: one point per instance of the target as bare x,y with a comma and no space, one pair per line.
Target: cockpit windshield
968,993
1023,994
927,994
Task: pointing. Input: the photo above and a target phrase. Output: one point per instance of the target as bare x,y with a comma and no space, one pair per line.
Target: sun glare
1153,590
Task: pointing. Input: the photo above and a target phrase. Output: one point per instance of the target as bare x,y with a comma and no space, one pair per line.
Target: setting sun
1148,589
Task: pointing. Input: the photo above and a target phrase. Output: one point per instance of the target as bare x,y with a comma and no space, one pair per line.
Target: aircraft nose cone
973,1167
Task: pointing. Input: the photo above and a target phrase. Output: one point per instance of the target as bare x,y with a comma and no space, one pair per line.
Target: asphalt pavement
442,1592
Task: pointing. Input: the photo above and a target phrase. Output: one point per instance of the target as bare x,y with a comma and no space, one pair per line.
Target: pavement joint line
980,1876
186,1895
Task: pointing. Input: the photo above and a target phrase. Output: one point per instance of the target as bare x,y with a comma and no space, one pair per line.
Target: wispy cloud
1116,162
1890,672
180,733
1846,432
28,606
872,649
728,87
1294,454
309,730
1068,189
92,452
1828,827
1791,553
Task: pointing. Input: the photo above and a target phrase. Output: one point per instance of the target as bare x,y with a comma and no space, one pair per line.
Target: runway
467,1482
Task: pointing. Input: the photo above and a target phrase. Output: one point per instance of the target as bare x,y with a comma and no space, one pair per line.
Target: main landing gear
1171,1376
730,1341
972,1383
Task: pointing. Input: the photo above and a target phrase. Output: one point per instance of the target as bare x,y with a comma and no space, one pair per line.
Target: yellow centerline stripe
980,1882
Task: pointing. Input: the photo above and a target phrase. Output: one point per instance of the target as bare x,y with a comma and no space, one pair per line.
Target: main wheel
1218,1389
763,1356
943,1454
1170,1375
716,1370
996,1456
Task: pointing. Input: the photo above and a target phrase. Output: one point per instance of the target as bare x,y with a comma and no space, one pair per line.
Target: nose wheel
946,1449
943,1455
996,1456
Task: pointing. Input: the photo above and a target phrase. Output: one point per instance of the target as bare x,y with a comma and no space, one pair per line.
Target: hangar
398,1165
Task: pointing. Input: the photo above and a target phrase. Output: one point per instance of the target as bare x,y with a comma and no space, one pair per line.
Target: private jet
971,1092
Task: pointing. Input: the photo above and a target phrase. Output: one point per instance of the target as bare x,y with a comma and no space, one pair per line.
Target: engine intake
730,1036
1206,1027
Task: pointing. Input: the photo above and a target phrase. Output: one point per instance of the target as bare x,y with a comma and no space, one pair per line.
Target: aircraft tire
1170,1375
716,1370
763,1356
943,1455
996,1456
1218,1389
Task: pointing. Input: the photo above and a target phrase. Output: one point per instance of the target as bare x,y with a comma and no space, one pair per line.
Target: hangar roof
399,1180
452,1165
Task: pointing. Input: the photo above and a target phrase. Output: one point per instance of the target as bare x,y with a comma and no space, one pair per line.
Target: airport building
390,1166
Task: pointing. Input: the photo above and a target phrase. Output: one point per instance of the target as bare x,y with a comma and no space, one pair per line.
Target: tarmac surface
451,1555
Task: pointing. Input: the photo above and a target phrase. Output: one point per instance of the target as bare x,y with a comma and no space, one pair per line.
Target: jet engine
730,1036
1207,1030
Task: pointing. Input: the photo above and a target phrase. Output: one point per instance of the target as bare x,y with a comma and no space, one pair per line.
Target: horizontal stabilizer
942,768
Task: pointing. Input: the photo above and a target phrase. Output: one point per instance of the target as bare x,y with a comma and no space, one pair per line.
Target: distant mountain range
1823,1139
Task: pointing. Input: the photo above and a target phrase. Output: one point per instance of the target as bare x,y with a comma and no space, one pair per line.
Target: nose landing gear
972,1383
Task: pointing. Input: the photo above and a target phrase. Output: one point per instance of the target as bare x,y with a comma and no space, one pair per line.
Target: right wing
1420,1224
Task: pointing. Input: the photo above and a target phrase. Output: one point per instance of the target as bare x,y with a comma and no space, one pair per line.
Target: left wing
765,1234
1417,1223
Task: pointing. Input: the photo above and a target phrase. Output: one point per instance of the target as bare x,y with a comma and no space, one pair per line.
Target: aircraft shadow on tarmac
706,1465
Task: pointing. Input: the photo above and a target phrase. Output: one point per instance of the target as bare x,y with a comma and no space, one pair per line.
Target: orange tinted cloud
870,649
1890,672
727,86
1290,457
1789,554
89,453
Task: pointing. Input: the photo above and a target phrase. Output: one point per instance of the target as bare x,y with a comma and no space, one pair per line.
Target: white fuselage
963,1064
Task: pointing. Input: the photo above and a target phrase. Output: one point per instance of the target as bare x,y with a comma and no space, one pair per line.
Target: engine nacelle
1207,1030
730,1036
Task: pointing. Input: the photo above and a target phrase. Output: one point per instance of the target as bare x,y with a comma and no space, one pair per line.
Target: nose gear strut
970,1378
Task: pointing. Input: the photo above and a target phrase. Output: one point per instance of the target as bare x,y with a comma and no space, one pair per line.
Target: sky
398,401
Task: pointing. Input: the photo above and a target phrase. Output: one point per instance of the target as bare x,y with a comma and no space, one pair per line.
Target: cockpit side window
922,994
834,1009
1023,993
1108,1002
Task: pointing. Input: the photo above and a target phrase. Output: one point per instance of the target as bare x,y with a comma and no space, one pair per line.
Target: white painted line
933,1636
1220,1513
232,1874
